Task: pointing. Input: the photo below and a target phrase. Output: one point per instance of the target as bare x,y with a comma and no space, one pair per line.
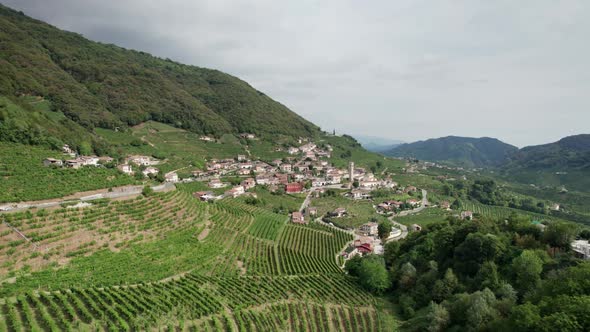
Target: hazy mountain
562,163
377,144
464,151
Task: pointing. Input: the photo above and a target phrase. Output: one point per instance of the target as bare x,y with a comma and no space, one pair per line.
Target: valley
138,193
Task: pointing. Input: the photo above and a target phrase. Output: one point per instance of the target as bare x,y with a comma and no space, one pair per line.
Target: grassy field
282,204
178,147
359,211
425,217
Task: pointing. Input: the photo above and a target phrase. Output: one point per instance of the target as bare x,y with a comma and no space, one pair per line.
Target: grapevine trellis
253,271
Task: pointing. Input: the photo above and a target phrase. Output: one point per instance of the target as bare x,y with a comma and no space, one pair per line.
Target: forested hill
464,151
100,85
572,152
562,163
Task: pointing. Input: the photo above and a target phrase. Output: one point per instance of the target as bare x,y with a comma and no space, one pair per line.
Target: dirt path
118,192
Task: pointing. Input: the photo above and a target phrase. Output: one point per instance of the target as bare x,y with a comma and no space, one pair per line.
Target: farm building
297,217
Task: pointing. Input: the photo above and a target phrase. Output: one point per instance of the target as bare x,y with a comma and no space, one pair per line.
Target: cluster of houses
360,246
75,161
145,163
289,174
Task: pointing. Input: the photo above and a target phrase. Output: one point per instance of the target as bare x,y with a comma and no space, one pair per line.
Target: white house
293,150
371,228
246,165
216,183
150,170
141,160
359,194
466,215
287,168
126,168
307,147
171,177
235,191
87,160
51,161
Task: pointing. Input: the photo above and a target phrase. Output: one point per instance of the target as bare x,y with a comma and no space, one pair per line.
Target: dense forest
99,85
462,151
486,275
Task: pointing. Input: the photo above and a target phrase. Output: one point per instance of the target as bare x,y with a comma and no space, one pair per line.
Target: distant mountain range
562,163
463,151
377,144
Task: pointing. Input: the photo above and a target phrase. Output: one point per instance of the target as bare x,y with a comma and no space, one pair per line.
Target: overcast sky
409,70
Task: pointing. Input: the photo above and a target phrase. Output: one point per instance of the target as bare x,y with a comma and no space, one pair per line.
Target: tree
525,317
444,288
559,234
407,276
384,229
560,321
527,269
585,234
476,249
85,149
481,310
438,317
390,252
147,191
456,205
373,275
352,266
487,276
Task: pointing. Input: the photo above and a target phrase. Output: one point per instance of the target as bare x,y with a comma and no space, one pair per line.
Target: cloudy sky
409,70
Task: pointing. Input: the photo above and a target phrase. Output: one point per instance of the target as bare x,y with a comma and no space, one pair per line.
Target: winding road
404,228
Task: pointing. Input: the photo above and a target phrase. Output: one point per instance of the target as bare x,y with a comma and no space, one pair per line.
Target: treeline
484,276
489,193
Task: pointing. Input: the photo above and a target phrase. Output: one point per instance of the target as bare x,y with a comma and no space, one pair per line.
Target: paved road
418,209
116,193
404,228
306,202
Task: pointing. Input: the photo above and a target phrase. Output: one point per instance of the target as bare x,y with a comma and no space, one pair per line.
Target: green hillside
100,85
563,163
169,262
462,151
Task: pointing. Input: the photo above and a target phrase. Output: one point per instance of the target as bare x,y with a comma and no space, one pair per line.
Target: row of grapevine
192,297
60,232
293,316
498,212
267,225
303,249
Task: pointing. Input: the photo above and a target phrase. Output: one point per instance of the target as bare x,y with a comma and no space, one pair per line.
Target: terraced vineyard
500,211
170,261
195,302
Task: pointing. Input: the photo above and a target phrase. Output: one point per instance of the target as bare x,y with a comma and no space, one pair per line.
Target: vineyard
24,178
198,303
499,211
170,261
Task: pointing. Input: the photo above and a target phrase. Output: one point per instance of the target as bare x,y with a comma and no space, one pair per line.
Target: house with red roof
294,187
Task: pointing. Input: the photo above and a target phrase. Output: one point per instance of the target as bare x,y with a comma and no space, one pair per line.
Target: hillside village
306,171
